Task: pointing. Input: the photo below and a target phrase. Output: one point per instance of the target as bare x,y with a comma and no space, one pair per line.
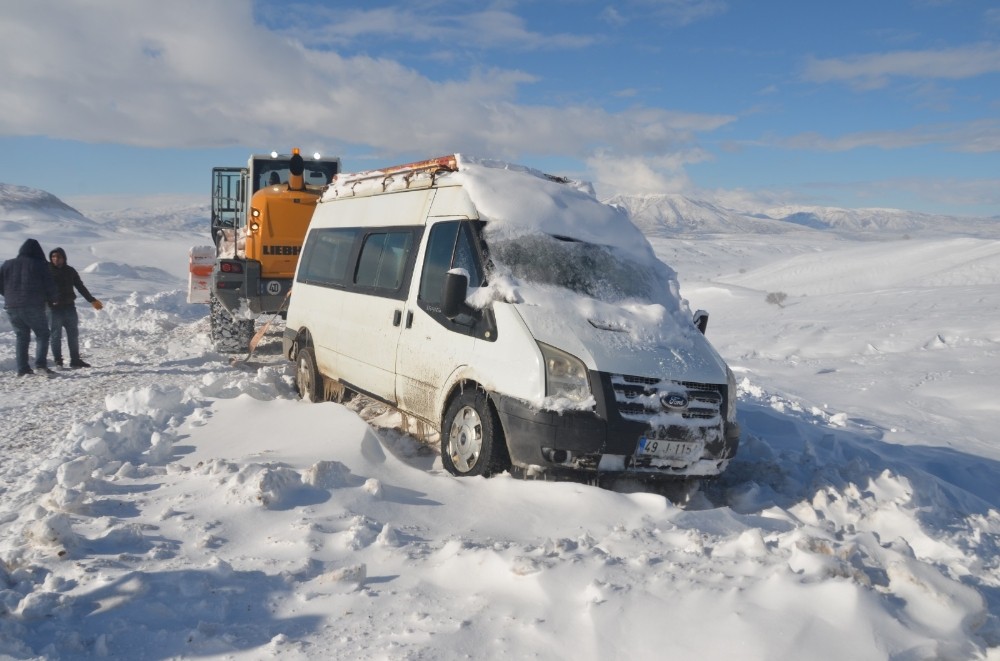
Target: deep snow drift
168,504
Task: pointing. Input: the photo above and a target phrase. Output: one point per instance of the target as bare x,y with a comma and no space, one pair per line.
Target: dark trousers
25,322
60,317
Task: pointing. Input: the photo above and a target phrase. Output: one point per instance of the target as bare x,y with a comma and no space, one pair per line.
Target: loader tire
228,335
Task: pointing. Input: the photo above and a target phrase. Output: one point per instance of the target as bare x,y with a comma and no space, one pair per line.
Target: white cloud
491,28
979,136
875,70
204,74
682,12
614,174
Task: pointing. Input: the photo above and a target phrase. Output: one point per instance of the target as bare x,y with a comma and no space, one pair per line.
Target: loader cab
265,168
233,187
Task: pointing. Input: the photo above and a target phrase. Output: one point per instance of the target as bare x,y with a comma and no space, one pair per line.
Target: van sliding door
371,317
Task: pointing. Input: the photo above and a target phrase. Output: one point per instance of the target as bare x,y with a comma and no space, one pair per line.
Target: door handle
397,317
409,318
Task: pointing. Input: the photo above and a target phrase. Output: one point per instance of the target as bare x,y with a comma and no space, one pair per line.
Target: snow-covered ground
168,504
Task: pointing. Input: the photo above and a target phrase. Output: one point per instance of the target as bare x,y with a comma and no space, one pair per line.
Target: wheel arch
460,386
457,387
500,460
303,338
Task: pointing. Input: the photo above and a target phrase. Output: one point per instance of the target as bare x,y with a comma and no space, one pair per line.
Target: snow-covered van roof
621,286
514,199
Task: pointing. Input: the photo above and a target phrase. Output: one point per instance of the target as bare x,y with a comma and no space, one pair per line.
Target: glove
97,304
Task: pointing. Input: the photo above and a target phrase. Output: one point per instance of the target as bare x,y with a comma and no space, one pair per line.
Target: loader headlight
254,227
565,375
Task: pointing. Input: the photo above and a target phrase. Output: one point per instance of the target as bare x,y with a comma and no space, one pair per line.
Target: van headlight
565,375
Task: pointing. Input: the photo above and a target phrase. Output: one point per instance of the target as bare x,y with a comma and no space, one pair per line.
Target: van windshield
601,272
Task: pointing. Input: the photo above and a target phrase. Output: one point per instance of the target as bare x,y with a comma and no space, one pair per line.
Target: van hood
637,340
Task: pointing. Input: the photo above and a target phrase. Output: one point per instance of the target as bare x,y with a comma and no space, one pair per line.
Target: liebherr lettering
281,250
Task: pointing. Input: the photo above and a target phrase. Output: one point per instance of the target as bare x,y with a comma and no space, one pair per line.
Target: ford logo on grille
674,400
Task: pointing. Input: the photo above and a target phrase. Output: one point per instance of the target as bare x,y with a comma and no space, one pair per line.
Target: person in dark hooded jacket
62,312
26,286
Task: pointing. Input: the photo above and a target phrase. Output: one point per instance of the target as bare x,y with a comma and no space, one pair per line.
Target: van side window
382,261
450,245
327,257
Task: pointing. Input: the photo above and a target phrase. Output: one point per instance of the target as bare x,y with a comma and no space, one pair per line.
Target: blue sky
894,103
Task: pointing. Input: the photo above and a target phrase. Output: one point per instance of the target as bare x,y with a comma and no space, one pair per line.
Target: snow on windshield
600,272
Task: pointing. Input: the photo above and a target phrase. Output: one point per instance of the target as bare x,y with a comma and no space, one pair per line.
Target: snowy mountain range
665,214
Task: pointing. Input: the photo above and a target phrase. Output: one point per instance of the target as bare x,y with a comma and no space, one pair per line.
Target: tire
228,335
307,378
472,440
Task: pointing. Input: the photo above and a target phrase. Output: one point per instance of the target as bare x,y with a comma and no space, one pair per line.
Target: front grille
638,397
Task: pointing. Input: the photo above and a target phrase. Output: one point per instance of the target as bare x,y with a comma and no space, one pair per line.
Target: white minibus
524,322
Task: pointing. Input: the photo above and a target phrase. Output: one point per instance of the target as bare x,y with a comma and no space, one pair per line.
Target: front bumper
606,438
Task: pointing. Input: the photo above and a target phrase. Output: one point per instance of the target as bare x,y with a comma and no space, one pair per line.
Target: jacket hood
58,251
31,248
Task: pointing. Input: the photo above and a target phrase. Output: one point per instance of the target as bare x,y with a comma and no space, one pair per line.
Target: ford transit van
524,322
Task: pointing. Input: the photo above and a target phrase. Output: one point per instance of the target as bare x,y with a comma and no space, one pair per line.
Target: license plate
663,449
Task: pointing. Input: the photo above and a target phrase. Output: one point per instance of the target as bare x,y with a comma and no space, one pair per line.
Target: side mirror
456,289
701,320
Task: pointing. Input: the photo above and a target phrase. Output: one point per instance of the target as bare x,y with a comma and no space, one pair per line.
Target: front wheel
307,377
472,440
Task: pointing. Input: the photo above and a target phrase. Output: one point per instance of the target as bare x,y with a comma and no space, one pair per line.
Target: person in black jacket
26,286
62,311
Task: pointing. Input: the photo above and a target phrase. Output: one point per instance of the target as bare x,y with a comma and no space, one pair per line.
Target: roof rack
432,167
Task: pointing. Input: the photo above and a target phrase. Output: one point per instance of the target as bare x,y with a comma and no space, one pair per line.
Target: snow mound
119,270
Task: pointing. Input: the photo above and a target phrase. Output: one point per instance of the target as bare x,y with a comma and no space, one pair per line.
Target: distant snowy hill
178,216
28,209
104,235
21,201
859,220
677,214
